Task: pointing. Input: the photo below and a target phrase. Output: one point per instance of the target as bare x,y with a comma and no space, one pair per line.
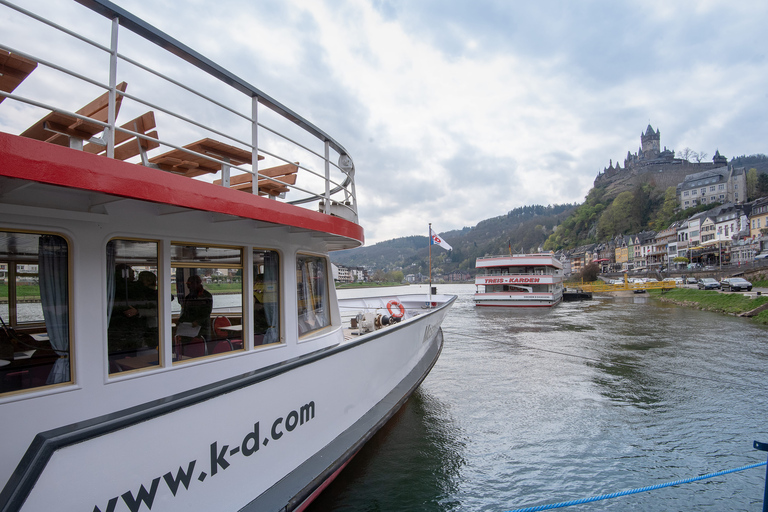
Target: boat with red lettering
171,337
519,280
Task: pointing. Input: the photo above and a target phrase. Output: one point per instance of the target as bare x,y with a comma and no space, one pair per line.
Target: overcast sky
457,111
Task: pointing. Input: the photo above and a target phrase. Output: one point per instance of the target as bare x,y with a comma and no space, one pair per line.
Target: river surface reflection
529,407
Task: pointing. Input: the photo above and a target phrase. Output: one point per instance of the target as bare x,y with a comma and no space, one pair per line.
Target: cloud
459,111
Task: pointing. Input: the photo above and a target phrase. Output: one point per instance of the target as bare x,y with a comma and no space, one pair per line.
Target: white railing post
111,115
255,144
327,177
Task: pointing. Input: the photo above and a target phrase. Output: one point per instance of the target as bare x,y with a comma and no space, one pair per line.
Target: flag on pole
436,240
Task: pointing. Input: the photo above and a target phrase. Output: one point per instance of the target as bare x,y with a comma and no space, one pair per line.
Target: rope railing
628,492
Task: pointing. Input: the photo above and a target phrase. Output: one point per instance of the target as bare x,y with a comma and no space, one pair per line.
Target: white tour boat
519,280
170,337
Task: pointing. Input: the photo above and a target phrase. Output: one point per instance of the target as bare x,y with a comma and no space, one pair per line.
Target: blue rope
635,491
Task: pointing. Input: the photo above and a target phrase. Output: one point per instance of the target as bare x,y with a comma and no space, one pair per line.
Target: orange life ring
400,309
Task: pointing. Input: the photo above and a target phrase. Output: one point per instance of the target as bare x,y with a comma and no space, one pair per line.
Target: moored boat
171,336
519,280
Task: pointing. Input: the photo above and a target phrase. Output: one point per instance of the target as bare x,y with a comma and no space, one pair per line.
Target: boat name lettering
221,457
503,280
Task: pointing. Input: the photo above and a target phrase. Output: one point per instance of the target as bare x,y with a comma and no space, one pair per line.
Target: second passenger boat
520,280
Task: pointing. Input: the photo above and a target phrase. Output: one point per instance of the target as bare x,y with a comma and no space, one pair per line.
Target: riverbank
364,284
736,304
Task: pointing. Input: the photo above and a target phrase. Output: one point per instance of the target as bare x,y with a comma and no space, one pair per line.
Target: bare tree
701,155
687,154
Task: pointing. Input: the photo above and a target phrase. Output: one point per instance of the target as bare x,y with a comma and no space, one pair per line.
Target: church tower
651,143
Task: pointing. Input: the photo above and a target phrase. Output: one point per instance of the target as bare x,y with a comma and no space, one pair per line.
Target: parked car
690,280
707,283
735,284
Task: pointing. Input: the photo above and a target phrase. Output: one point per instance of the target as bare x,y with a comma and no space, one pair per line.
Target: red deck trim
56,165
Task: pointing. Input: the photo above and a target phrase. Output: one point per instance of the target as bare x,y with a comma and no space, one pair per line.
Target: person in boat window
196,307
260,324
126,327
145,306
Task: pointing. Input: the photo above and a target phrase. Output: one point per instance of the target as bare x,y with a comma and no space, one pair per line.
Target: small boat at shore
171,339
519,280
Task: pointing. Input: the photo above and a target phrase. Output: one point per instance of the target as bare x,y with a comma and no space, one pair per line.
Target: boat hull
522,300
218,446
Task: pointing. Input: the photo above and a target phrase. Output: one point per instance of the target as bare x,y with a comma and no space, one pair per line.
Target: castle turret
651,142
719,160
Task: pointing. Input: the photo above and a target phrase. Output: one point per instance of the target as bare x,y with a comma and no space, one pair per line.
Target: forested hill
603,215
525,229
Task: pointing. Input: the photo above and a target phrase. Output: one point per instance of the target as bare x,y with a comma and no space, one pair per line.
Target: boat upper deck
151,119
520,260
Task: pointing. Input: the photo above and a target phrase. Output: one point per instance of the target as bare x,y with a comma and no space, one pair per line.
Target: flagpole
429,238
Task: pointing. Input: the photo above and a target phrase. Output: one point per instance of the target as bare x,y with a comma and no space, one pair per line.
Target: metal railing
192,97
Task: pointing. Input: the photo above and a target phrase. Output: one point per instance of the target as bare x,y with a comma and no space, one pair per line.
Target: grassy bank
728,303
340,286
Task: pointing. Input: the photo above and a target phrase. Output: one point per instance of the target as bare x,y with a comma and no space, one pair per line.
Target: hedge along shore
742,304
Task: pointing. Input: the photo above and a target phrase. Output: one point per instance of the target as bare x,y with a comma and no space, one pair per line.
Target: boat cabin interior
204,313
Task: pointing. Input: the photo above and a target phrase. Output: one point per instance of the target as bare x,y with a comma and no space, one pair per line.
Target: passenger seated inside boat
196,308
132,332
260,324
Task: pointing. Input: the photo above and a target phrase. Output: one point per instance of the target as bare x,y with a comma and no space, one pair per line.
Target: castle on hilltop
650,158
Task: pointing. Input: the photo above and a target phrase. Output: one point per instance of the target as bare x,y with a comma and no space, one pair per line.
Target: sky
458,111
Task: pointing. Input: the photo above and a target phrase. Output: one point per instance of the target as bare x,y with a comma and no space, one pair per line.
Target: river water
532,407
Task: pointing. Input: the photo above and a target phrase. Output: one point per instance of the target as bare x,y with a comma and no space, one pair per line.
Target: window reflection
132,292
312,293
266,297
208,300
34,317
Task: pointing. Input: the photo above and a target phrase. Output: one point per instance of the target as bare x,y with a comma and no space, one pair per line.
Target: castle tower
719,160
651,143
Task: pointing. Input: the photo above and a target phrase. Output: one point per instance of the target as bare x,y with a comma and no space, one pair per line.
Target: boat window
34,311
312,293
132,309
207,307
266,297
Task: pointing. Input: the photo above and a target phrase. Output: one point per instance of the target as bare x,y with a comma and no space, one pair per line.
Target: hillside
605,213
524,229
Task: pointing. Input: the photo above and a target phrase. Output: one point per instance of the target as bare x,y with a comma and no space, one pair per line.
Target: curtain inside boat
111,251
54,290
271,298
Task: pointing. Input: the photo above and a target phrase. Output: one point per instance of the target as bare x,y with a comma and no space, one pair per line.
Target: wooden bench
66,130
281,176
183,162
13,70
128,145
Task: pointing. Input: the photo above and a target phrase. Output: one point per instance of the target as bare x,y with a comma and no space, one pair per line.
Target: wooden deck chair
66,130
127,145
